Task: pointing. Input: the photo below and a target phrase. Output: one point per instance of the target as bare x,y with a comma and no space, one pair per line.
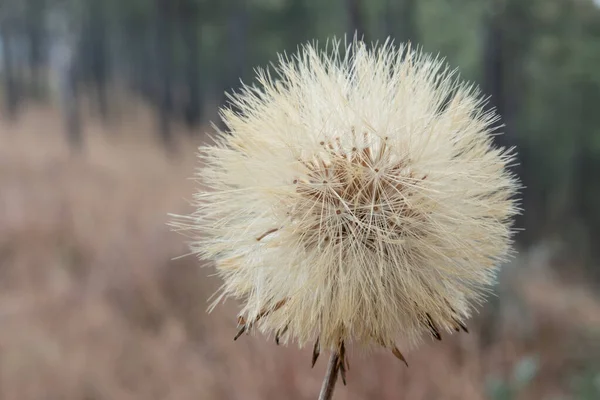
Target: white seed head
356,196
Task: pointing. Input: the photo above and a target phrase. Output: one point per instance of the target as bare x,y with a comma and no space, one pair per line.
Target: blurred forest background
103,105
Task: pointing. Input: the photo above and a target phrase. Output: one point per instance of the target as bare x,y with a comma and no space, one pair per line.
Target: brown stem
330,377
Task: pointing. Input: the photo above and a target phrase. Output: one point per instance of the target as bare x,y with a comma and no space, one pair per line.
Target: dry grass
92,307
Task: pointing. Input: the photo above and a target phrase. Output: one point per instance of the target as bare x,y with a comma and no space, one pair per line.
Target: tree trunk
515,28
401,20
71,104
99,56
190,21
298,23
11,86
35,32
237,45
142,68
493,86
238,30
355,18
67,74
164,62
493,65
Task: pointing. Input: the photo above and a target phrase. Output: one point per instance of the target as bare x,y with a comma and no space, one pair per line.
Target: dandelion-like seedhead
357,196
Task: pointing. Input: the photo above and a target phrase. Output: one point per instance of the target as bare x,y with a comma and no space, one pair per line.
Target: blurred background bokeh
103,103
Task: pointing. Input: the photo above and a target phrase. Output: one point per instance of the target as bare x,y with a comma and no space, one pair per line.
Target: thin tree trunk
237,45
506,59
164,60
493,86
355,18
11,86
34,26
406,29
299,22
190,22
67,75
72,113
99,55
139,44
493,64
238,30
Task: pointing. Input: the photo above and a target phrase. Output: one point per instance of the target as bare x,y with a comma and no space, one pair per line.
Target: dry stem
330,377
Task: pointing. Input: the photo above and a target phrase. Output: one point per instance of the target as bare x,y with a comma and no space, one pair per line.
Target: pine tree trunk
401,20
35,33
236,45
99,56
355,19
190,22
164,62
11,86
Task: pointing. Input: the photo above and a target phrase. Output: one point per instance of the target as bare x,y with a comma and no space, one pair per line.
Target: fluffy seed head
356,196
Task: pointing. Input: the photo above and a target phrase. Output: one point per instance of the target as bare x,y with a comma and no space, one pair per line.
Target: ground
95,303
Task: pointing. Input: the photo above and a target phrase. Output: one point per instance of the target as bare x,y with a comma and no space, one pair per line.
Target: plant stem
330,377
